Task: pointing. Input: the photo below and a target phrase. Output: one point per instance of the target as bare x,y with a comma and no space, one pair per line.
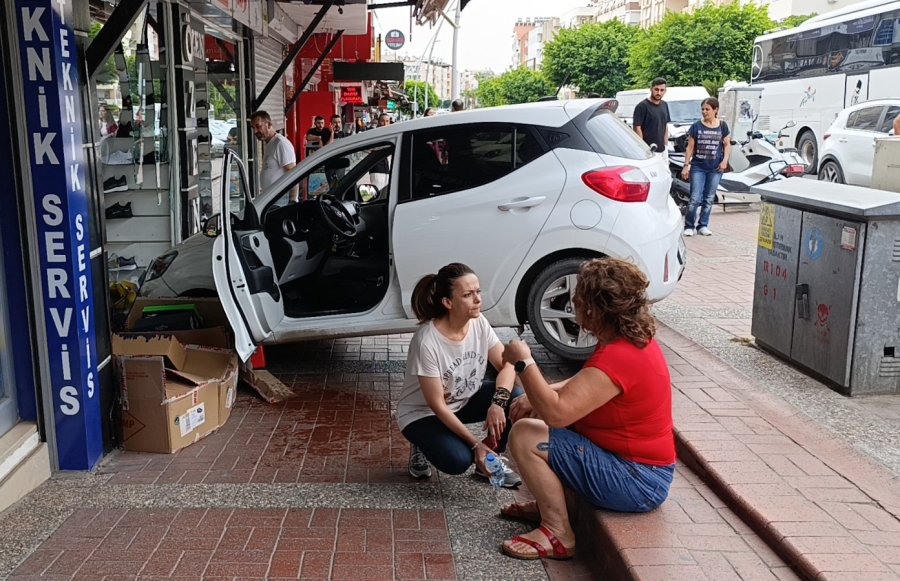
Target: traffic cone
258,359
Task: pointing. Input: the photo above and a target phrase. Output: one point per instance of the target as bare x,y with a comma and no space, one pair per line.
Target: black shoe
149,100
151,158
126,102
119,211
119,184
124,130
122,263
202,122
202,104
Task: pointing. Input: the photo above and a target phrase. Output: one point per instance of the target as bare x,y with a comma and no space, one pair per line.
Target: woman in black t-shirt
708,150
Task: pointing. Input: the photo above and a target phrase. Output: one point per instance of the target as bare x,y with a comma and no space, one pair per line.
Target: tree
795,20
712,42
415,90
519,86
594,57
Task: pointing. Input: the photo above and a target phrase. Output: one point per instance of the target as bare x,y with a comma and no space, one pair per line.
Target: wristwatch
522,365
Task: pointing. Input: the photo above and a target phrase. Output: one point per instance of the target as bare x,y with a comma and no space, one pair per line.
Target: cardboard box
216,331
172,394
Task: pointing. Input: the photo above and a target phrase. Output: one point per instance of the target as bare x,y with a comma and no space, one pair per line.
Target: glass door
9,412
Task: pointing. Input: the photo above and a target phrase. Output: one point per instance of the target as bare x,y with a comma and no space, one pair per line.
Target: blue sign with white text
53,117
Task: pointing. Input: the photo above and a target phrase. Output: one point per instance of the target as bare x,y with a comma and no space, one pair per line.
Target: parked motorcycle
754,161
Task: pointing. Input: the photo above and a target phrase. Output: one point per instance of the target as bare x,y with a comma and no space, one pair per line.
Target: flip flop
519,512
559,551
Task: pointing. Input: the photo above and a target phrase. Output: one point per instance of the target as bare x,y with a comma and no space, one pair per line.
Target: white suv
522,194
849,150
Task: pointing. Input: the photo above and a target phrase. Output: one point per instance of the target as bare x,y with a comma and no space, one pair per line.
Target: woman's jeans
444,449
604,479
703,193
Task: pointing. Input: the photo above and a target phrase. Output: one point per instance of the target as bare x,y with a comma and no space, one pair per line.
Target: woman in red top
606,432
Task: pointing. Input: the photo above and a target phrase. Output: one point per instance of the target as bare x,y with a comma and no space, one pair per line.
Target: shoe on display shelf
121,263
119,158
119,211
115,184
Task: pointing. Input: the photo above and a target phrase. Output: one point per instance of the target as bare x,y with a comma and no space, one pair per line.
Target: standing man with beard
651,118
278,153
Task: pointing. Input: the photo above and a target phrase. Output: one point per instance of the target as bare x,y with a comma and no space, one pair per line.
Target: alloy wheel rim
829,172
558,314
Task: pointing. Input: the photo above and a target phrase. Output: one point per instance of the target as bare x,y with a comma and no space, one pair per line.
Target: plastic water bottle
496,470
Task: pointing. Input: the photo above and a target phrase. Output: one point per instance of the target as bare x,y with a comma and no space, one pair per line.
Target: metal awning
351,16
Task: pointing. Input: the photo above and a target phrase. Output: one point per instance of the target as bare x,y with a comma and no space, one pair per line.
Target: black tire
831,172
809,150
552,292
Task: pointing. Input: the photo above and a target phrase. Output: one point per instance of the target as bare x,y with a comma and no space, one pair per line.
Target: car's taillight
622,183
826,136
795,170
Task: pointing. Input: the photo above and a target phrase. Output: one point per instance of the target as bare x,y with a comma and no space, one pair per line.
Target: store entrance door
9,411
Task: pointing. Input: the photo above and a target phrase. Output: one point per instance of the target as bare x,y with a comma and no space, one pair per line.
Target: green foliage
713,85
795,20
519,86
416,90
108,73
686,49
594,57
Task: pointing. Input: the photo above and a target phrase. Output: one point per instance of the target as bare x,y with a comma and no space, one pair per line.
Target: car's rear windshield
610,136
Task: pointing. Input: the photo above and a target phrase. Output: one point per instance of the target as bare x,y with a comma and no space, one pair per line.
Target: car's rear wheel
551,311
809,149
831,172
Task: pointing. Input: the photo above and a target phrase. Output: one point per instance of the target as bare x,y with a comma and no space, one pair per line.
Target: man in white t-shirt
278,153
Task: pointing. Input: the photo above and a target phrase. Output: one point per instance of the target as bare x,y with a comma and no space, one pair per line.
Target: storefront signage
191,44
53,122
394,39
352,95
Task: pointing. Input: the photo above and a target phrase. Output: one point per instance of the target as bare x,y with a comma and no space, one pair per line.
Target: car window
342,175
610,136
865,119
457,158
888,122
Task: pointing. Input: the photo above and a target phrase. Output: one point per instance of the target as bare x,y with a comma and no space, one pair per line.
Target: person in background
607,431
896,126
457,105
380,171
651,118
317,136
444,386
108,125
360,125
278,152
706,159
430,112
337,127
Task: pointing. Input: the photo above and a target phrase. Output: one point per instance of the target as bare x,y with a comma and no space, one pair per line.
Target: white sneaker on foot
705,231
688,231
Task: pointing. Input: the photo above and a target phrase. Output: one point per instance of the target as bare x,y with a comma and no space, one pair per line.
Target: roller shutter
269,54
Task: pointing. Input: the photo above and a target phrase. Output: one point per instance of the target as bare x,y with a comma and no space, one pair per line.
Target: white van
684,106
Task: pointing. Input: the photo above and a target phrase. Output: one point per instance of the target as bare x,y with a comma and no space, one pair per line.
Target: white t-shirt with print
459,364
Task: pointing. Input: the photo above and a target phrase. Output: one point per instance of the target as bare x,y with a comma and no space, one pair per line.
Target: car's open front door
242,263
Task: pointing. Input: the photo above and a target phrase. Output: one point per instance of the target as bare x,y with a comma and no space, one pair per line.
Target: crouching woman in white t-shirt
444,386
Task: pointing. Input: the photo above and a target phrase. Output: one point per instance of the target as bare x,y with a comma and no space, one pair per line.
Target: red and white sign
394,39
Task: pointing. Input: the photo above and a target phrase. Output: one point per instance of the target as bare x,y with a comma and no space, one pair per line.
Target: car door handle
522,203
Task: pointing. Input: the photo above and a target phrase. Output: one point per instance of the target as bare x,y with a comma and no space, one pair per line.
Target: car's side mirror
790,124
366,192
212,226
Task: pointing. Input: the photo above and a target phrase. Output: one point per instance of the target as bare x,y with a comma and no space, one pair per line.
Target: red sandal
520,512
560,552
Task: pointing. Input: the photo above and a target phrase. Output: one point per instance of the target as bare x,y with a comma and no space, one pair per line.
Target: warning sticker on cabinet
192,419
767,226
848,238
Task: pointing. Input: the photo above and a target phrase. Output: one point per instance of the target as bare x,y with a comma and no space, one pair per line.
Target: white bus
830,62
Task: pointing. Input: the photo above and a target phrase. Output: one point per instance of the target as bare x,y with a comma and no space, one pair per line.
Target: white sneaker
705,231
119,158
688,231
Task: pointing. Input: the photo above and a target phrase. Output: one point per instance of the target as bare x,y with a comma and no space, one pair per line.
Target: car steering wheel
336,216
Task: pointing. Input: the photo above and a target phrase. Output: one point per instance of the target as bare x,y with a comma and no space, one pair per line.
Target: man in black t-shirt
318,136
651,117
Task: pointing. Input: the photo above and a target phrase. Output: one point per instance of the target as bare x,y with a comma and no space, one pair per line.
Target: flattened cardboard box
172,394
216,331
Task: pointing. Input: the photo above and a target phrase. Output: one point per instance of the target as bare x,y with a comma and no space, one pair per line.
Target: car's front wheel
551,311
831,172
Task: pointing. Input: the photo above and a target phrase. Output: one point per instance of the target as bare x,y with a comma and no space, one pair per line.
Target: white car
522,194
849,151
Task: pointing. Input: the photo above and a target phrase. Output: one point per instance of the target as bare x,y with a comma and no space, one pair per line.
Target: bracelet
501,397
475,446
